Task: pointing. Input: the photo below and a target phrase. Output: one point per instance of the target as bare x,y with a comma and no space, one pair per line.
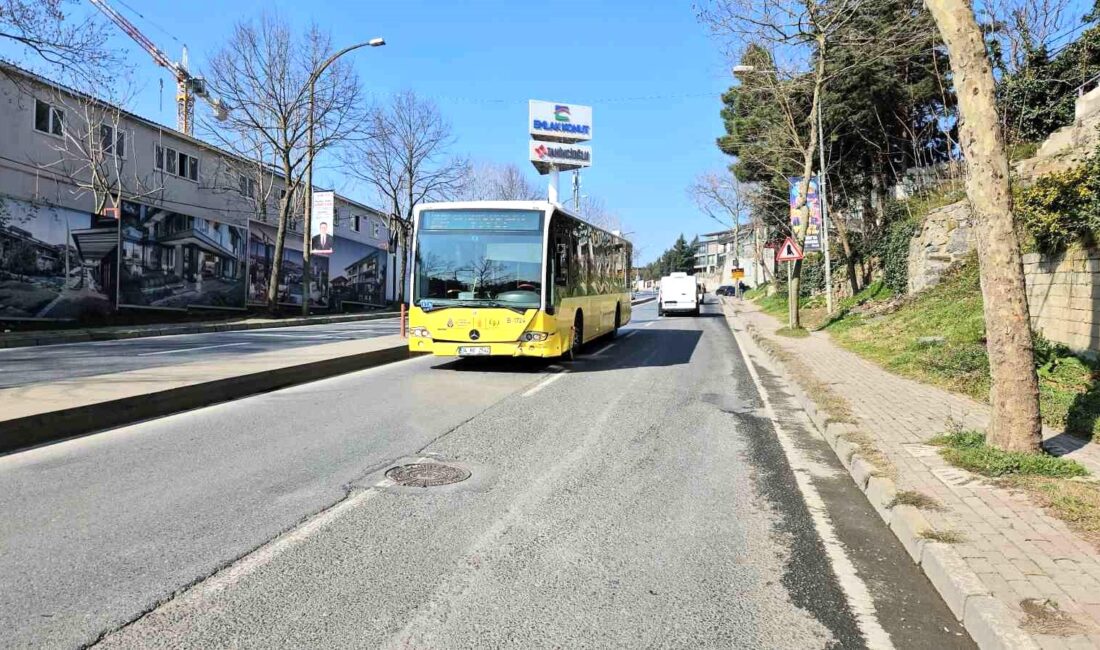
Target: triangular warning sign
789,252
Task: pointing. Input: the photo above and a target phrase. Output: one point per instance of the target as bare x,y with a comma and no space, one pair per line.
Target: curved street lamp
308,213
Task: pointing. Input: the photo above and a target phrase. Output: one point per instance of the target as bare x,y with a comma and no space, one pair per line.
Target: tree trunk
1014,390
807,169
842,234
404,248
280,239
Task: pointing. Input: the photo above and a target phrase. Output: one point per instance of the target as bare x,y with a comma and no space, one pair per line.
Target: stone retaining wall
1063,293
945,238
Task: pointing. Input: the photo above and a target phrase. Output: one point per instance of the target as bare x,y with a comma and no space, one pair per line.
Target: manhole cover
426,475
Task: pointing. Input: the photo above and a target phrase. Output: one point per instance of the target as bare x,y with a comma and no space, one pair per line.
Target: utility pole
308,212
577,191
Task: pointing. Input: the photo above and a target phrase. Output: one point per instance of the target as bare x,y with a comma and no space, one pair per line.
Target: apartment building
102,210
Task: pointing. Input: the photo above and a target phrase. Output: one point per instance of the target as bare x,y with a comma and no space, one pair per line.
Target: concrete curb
988,621
42,428
54,337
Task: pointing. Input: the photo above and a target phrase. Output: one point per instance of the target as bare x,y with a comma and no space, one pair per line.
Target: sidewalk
45,412
118,332
1016,550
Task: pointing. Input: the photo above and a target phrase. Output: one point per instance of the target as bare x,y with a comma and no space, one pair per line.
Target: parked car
726,290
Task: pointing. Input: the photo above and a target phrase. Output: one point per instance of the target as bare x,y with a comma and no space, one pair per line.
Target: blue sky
650,70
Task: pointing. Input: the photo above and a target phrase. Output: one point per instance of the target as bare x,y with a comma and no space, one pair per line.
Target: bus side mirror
549,310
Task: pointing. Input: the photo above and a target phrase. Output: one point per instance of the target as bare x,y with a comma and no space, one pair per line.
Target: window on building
376,228
176,163
112,140
355,222
48,118
171,158
248,186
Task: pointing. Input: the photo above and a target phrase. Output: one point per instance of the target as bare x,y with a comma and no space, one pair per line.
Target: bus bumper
552,347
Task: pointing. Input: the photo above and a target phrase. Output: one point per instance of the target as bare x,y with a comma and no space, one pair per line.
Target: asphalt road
29,365
639,496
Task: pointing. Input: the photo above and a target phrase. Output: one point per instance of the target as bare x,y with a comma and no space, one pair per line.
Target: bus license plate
473,351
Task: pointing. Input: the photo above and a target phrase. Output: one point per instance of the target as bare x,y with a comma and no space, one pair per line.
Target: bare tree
719,196
491,182
94,151
44,30
1014,390
405,157
263,74
594,210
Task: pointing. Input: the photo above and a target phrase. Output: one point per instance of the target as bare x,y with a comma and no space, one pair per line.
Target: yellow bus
513,278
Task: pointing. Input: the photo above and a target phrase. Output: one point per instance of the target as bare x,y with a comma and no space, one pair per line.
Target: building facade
102,210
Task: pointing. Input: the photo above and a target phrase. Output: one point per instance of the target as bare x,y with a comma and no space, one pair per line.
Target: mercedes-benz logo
474,335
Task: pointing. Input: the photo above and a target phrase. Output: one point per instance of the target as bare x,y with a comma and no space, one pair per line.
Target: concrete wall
1064,298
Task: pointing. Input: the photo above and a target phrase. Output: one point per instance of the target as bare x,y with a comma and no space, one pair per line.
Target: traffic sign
737,274
789,252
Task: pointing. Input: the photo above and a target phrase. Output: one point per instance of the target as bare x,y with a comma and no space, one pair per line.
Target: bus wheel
578,336
618,321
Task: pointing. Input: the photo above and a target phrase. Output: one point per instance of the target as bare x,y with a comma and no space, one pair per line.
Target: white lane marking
203,347
649,323
629,334
545,382
855,590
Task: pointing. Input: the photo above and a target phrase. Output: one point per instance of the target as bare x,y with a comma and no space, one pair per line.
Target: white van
679,292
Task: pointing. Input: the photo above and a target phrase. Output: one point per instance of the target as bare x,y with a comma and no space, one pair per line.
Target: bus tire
618,320
578,336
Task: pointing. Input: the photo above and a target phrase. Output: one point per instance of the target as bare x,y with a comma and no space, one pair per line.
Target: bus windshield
487,266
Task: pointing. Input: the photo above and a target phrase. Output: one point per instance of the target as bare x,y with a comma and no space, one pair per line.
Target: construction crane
188,86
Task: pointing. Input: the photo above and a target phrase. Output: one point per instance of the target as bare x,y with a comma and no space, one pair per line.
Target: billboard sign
557,122
810,210
563,156
322,226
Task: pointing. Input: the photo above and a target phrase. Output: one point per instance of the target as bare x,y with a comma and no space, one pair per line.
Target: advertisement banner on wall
358,274
261,253
55,263
322,224
170,260
811,209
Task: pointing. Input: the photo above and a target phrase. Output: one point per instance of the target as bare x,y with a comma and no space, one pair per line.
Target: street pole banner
810,209
321,227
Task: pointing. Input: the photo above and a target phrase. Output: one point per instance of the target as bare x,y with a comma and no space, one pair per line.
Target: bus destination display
481,220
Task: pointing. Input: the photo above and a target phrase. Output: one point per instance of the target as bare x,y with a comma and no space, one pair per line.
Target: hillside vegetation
938,337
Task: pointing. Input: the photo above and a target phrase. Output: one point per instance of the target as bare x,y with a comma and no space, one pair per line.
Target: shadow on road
645,349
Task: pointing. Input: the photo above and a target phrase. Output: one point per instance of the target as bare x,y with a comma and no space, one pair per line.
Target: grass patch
968,449
757,291
1069,386
793,332
918,500
943,536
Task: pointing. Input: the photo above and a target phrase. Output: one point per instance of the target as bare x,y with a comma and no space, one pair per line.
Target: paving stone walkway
1018,550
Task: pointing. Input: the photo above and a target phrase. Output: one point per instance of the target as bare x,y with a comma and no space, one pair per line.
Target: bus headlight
534,336
420,332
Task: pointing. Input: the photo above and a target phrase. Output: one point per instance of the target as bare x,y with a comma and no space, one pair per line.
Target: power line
151,23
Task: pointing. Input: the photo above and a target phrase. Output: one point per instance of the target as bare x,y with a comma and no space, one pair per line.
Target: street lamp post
308,212
821,191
